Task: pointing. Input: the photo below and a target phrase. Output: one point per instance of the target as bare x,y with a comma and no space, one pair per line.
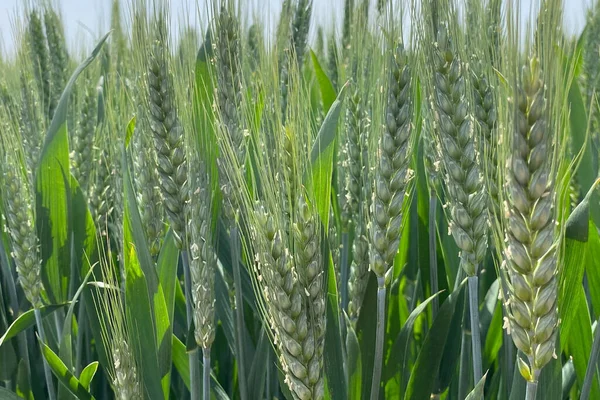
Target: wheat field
406,207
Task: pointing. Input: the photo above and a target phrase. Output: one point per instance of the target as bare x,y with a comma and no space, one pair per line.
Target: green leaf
86,376
6,394
587,172
354,362
519,385
27,320
400,353
7,353
577,223
258,371
550,380
137,255
493,338
321,159
181,363
140,322
167,270
477,392
420,384
592,267
65,377
452,348
333,354
167,263
129,131
181,360
84,231
224,254
223,309
53,201
66,343
23,381
365,331
579,341
575,252
325,86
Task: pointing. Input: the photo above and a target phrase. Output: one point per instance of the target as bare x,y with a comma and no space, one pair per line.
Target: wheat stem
464,380
82,331
591,366
47,372
344,268
531,390
206,374
14,302
192,357
380,333
433,277
475,333
239,309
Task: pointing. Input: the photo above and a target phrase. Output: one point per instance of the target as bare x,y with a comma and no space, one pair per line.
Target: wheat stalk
391,180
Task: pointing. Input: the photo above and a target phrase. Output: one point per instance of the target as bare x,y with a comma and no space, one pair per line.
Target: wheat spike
392,171
168,139
463,182
530,226
18,197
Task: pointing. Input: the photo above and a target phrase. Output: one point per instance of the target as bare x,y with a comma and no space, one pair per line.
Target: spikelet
531,253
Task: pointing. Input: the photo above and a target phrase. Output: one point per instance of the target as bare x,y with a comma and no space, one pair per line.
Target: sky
86,20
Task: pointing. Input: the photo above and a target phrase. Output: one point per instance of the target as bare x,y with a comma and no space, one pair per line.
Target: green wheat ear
392,171
530,228
168,139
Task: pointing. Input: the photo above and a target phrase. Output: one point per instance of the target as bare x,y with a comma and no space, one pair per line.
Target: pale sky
85,20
